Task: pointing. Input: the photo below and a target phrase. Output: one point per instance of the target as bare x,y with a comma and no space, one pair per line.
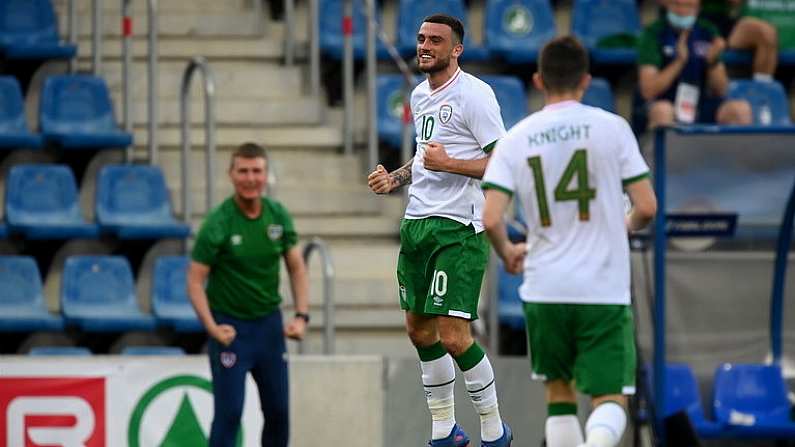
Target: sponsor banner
113,401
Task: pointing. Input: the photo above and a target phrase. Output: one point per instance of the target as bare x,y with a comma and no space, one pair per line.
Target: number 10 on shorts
438,286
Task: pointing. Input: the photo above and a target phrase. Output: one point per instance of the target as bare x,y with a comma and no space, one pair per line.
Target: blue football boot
504,441
457,438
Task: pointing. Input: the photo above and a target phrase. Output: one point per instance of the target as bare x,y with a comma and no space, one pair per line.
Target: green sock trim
561,409
470,357
432,352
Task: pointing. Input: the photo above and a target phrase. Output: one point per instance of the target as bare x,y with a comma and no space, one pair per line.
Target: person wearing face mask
680,72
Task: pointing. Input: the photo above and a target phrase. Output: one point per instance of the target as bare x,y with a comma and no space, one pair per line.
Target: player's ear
585,81
538,82
458,49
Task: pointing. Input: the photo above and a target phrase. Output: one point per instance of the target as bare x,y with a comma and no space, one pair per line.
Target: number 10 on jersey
582,192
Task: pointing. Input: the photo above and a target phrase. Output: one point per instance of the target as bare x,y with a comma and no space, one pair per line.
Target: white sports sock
438,380
766,77
563,431
483,392
606,425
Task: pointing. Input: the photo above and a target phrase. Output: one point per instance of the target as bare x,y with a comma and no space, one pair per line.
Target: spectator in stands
745,33
680,67
237,255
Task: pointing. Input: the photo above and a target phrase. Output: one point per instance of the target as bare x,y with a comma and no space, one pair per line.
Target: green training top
244,255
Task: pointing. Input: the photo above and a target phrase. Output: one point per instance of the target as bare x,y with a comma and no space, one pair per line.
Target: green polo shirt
244,256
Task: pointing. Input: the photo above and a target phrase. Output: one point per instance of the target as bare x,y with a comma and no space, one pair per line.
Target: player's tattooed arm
402,175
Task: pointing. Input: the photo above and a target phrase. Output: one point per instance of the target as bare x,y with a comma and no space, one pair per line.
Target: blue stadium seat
768,101
3,231
517,29
153,350
390,108
681,394
42,203
170,302
511,96
59,350
132,202
98,295
332,42
410,16
14,133
29,30
75,112
599,94
22,306
752,401
594,21
511,312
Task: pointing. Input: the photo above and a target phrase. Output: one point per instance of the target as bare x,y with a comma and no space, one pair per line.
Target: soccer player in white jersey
569,165
443,250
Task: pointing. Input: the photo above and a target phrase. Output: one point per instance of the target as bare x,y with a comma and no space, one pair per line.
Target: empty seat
98,295
608,28
59,350
132,202
42,203
332,42
390,89
681,394
511,97
599,94
75,112
171,304
29,30
411,14
14,132
152,350
768,101
22,306
752,401
3,231
517,29
511,312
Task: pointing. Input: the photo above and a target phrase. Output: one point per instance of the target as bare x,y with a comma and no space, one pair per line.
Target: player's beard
441,64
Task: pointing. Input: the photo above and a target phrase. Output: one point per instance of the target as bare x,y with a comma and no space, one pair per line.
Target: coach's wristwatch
302,315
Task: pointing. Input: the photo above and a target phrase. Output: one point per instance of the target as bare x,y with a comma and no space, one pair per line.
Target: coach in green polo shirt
237,254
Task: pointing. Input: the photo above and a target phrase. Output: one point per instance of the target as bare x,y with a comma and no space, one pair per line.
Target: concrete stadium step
360,342
348,226
169,6
289,111
243,23
318,139
372,318
233,79
184,48
288,166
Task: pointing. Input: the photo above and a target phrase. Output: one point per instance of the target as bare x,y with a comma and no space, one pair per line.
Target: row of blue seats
75,112
98,294
80,351
29,30
749,401
768,101
509,90
513,30
132,202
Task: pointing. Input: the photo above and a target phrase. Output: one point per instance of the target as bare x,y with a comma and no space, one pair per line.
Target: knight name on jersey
560,133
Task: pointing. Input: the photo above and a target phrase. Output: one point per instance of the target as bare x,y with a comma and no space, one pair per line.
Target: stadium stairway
259,99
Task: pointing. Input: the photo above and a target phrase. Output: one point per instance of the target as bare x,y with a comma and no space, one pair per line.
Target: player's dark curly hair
562,63
452,22
248,150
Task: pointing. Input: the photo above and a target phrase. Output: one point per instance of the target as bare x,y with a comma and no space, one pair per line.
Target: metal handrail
197,63
71,31
289,36
126,80
314,48
96,38
317,244
153,115
347,76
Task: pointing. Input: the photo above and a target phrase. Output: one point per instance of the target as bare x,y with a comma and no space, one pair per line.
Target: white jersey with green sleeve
463,115
567,165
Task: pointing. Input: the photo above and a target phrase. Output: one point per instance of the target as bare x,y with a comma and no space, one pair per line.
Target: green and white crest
518,20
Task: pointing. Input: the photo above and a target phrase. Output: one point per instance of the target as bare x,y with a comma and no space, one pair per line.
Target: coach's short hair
452,22
248,150
562,63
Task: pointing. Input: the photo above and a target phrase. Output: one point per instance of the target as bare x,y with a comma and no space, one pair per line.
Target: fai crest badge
275,231
228,359
445,113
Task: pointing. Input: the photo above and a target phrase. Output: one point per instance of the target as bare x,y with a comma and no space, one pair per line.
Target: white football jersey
464,116
567,165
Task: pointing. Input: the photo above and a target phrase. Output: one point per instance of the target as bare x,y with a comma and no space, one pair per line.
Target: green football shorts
592,344
440,267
